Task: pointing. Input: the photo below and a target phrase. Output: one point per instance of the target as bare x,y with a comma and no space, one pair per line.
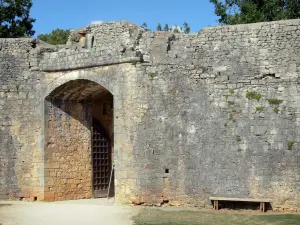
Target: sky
72,14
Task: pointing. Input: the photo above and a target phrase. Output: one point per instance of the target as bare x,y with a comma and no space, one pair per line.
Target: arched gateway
78,141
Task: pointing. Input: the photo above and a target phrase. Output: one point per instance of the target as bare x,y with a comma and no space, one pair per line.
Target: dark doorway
102,161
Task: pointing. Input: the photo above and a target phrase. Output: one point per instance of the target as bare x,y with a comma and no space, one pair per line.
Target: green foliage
176,30
56,37
253,95
166,28
276,110
15,20
159,28
235,110
251,11
144,25
238,138
134,62
231,118
230,103
259,108
186,28
230,92
239,150
274,101
152,74
291,144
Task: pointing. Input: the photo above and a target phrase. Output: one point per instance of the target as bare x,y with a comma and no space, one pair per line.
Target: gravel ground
80,212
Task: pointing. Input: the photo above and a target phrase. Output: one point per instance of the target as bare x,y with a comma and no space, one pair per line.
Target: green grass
134,63
152,74
276,110
231,118
238,138
163,217
291,144
253,95
274,101
259,108
231,90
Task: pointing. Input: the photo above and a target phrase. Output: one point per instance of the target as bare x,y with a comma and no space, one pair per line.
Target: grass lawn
167,217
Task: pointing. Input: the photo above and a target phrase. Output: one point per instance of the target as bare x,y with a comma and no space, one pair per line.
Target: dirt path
65,213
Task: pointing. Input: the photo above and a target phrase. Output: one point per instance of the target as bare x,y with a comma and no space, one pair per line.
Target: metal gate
101,160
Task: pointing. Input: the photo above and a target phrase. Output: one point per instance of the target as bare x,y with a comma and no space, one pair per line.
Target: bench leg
262,207
216,204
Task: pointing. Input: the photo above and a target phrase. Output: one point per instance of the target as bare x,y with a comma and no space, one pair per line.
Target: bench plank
238,199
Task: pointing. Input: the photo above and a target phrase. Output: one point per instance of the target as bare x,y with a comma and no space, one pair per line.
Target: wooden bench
262,202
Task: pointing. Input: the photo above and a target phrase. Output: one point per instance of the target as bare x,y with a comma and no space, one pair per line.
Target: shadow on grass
162,217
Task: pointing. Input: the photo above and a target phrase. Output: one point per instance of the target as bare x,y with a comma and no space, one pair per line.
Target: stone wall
20,124
215,113
68,171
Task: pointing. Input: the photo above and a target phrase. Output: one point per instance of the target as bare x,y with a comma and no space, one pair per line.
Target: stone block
49,196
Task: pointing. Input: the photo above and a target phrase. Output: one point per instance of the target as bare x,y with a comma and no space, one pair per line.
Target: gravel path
81,212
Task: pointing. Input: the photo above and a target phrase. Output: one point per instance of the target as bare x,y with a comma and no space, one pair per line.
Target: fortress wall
216,139
209,114
206,126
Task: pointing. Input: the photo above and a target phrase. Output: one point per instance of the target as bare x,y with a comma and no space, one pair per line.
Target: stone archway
70,165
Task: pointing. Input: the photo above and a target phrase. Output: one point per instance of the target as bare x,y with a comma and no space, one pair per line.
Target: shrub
259,108
274,101
291,144
253,95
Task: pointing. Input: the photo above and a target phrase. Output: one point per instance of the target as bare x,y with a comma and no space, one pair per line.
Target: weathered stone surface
187,122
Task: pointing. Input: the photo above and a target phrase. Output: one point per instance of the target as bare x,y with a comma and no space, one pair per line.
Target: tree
15,20
144,25
176,30
56,37
186,28
159,27
252,11
166,28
